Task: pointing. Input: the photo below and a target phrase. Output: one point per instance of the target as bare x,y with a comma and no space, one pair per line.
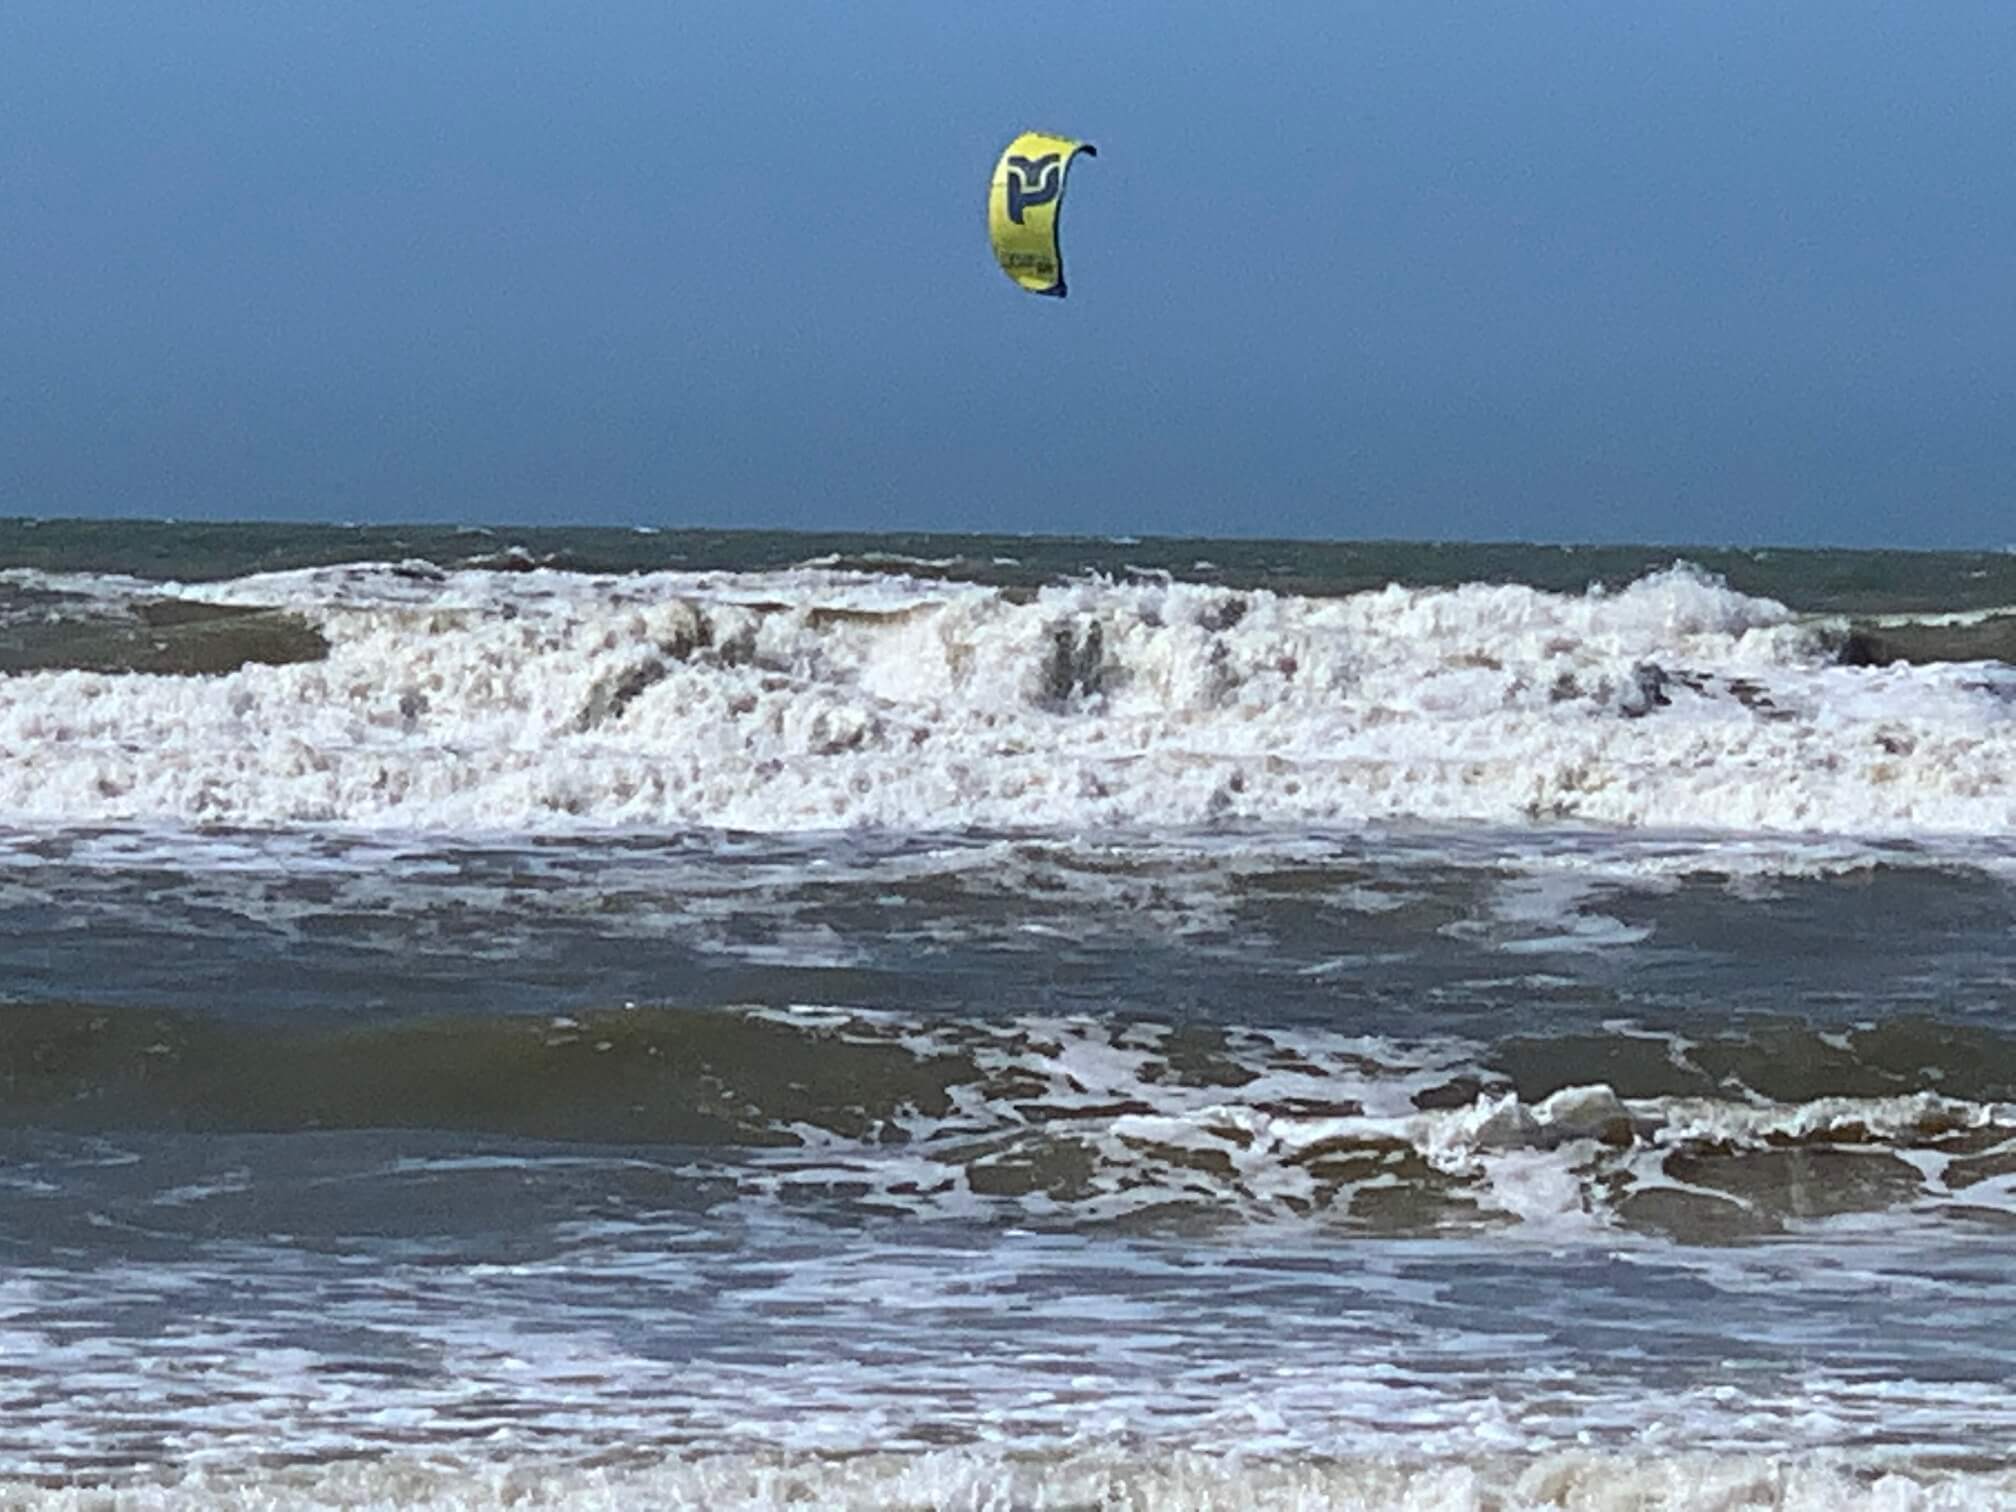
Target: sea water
593,1018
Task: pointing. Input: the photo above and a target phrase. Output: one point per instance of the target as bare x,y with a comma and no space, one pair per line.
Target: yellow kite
1023,204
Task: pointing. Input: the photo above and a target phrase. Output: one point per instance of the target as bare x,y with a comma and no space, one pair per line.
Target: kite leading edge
1023,205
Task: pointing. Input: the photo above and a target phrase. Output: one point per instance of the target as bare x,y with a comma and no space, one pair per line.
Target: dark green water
1812,581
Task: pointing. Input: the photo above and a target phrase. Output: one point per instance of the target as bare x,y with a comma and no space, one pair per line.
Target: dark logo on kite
1032,181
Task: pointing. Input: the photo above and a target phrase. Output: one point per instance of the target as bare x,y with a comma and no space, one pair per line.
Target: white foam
1542,914
811,699
647,1362
1184,1481
1084,1123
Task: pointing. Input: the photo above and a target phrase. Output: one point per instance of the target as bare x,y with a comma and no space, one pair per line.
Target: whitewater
599,1018
815,699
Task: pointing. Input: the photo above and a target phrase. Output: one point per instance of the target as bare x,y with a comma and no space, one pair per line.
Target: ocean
599,1018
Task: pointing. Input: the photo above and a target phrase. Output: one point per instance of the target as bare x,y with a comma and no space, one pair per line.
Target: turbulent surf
589,1017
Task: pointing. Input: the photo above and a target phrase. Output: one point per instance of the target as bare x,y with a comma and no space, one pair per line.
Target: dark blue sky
1715,272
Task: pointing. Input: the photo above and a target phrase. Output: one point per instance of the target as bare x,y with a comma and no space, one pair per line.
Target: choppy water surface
894,1026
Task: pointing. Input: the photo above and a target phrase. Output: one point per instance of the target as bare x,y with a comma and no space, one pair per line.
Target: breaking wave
1075,1122
407,696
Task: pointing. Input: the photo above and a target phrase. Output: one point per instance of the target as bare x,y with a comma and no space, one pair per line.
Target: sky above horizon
1716,273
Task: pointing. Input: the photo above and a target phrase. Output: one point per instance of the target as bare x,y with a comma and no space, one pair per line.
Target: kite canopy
1023,205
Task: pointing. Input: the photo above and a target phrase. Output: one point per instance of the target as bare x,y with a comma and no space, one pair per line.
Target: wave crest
814,699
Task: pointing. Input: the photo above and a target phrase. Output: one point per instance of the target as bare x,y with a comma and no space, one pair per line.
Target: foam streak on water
648,1345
